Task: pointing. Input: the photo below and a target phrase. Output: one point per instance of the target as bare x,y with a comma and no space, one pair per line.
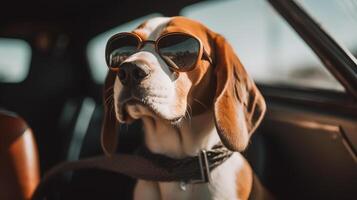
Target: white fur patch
154,27
224,178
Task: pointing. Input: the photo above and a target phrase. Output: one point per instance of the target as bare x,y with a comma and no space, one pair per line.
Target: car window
15,58
338,18
269,49
96,47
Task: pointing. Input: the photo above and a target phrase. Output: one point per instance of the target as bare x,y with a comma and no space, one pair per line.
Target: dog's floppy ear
238,106
109,136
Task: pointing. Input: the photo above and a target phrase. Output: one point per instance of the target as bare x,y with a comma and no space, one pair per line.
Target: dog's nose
130,73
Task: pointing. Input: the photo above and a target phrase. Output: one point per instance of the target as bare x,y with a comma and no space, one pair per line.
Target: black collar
194,169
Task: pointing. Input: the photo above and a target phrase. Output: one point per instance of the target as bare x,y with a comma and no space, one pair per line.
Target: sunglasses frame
202,53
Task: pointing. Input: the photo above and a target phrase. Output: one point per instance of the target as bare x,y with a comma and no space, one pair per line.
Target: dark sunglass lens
179,51
120,49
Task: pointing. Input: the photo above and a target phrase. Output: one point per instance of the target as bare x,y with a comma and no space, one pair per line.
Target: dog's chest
222,186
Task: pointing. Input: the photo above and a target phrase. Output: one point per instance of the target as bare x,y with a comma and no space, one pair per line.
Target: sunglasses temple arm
205,56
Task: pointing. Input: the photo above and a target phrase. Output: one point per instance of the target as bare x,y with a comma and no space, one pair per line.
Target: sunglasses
181,51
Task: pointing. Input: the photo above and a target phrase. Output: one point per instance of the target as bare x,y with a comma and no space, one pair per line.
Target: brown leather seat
19,165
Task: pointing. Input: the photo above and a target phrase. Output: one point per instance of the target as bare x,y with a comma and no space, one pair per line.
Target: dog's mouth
135,108
129,107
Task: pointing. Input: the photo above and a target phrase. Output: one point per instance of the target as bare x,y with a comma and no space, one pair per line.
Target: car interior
52,72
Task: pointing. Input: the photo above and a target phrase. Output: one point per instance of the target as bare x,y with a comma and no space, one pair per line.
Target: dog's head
151,82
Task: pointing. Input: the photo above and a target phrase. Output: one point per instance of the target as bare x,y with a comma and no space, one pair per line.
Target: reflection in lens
121,48
182,50
119,55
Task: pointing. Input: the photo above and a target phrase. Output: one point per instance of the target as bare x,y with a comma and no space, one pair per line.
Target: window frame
26,70
338,60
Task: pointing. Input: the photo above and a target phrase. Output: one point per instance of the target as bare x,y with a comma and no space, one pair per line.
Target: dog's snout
131,73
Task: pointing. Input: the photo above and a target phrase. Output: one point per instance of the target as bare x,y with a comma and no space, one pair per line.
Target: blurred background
52,54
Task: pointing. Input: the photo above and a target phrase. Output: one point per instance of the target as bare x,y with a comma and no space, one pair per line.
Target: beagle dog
191,92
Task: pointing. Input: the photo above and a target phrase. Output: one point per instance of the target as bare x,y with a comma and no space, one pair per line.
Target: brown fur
239,107
110,125
244,181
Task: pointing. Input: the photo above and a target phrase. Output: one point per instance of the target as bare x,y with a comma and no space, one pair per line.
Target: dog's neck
185,139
